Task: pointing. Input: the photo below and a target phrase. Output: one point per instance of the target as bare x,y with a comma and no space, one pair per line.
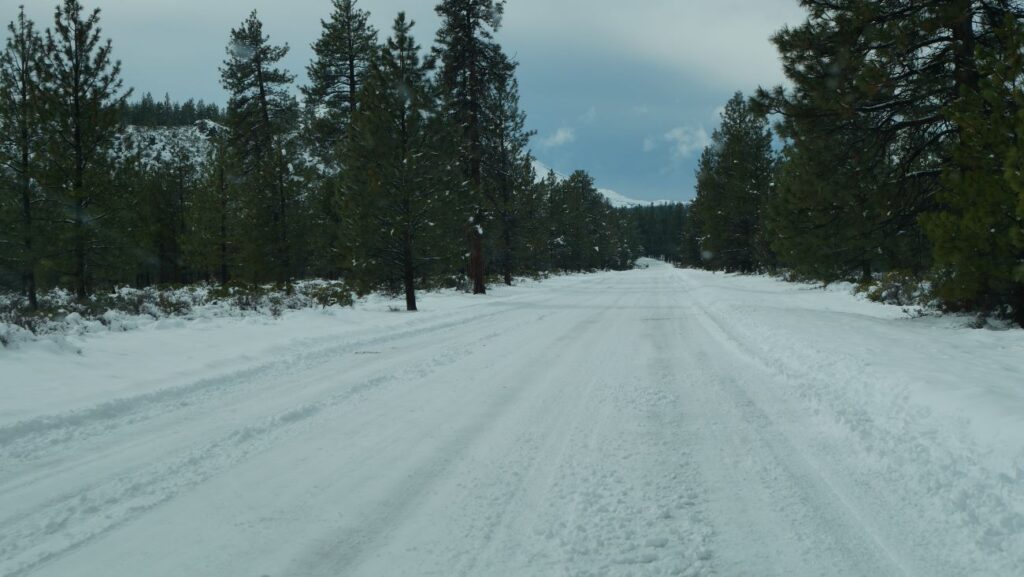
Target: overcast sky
626,90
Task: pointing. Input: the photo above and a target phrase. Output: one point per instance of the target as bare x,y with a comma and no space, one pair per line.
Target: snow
619,200
156,145
543,170
648,423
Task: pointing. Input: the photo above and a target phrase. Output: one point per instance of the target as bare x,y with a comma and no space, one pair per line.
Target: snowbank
929,413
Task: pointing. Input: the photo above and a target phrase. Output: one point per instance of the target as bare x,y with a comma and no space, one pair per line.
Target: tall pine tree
213,217
83,99
262,118
827,217
467,53
974,231
733,187
342,58
400,165
341,63
884,80
21,129
507,165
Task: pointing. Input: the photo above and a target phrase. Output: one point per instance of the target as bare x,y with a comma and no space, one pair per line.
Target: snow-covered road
646,423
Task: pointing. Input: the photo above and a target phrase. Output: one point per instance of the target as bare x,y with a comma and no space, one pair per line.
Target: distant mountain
542,171
617,199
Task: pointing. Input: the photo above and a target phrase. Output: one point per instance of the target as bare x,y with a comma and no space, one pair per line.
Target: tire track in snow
74,519
894,510
627,482
76,516
356,550
56,429
581,477
828,529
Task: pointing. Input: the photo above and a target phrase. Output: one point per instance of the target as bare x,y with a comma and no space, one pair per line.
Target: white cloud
561,137
650,144
589,116
686,141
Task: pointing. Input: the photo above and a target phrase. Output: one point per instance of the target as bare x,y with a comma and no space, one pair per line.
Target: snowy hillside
616,199
153,145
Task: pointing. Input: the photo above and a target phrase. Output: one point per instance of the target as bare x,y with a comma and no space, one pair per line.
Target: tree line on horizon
901,155
399,169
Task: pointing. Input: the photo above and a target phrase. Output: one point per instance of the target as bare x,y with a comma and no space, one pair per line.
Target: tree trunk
181,272
477,263
966,72
509,266
351,77
78,191
285,265
476,259
409,274
1018,305
163,265
28,274
81,290
29,282
222,186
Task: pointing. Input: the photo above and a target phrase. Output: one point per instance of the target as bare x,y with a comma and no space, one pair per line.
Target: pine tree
140,226
829,216
397,171
83,99
660,230
534,248
884,72
262,117
577,218
974,230
690,231
467,54
881,80
507,165
625,245
1015,176
733,186
172,186
213,217
1015,168
21,128
342,57
147,112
